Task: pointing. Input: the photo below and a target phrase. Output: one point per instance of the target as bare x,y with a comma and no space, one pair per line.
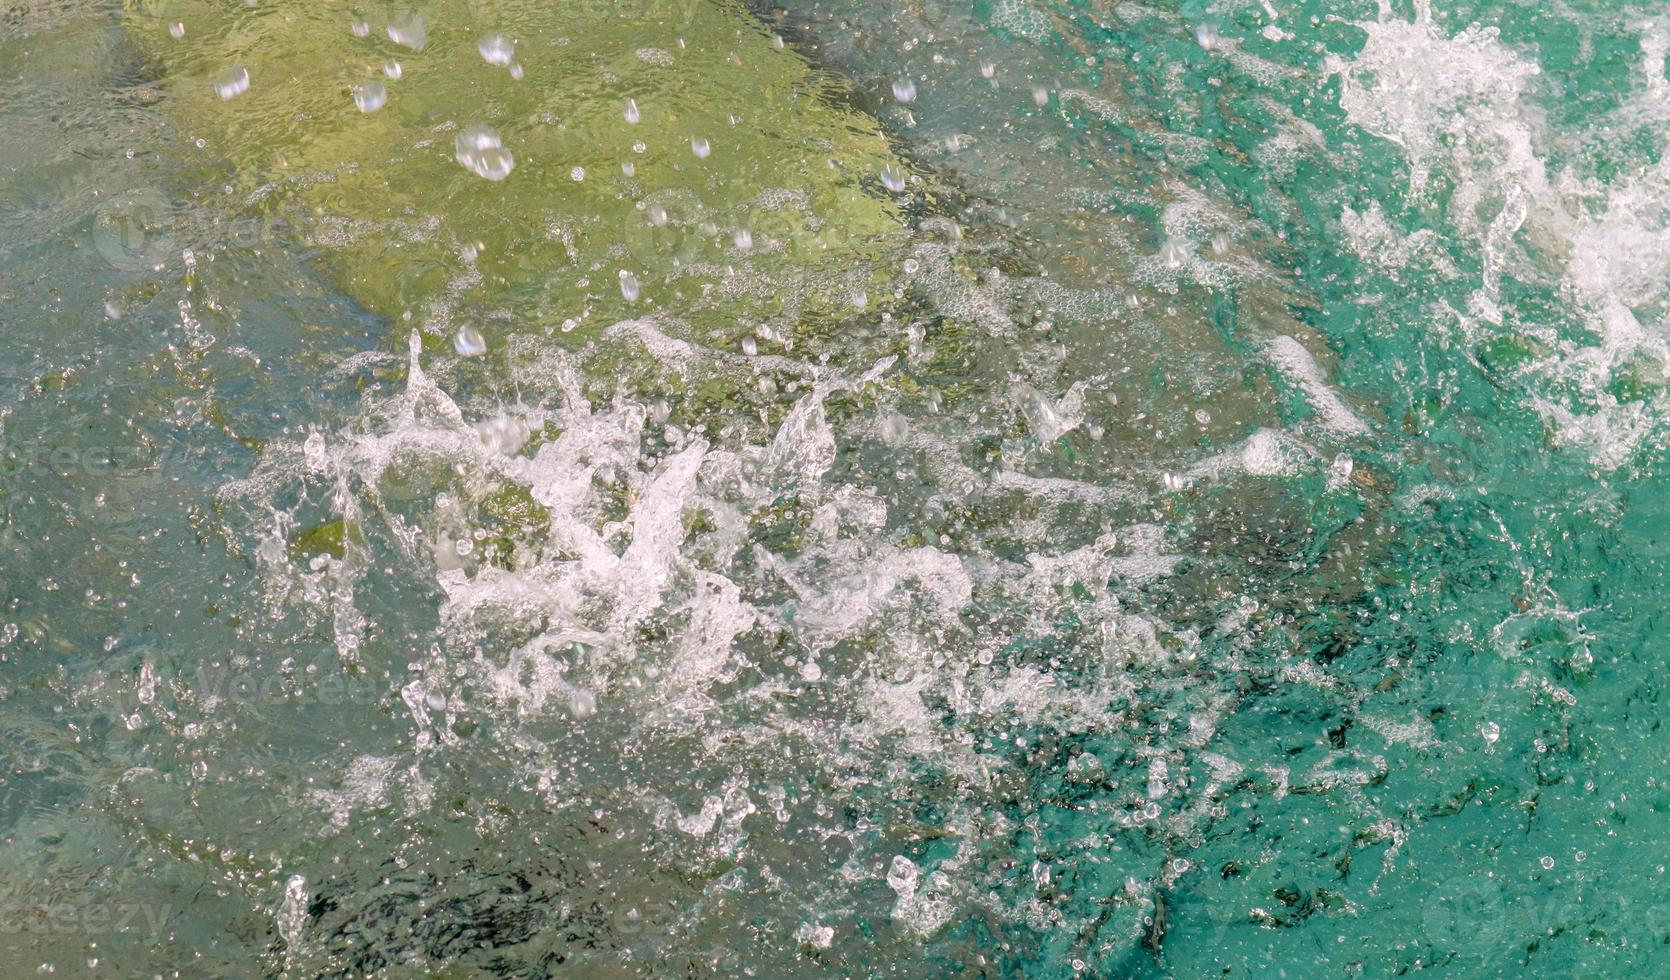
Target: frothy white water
1465,110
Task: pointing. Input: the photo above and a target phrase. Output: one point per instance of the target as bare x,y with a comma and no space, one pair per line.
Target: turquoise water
1011,489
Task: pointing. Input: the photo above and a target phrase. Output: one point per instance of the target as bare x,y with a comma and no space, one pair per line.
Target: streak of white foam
1300,369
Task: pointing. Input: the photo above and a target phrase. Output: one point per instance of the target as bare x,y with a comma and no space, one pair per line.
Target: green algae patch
659,157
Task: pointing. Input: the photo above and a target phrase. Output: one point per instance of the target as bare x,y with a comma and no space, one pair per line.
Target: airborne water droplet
361,29
893,178
232,83
1207,36
371,96
988,69
904,90
632,115
469,342
177,29
750,346
743,238
700,147
629,286
496,49
407,30
482,153
392,68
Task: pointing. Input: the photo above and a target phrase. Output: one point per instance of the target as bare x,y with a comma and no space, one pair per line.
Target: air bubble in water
700,147
371,96
632,115
904,90
577,174
893,178
482,153
232,83
628,286
496,49
469,342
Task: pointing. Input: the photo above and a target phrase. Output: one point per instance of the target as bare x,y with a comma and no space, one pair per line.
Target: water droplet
629,286
361,29
232,83
1547,864
577,174
1220,243
699,147
1207,36
408,31
750,346
658,216
632,115
893,178
516,71
629,168
1040,95
743,238
371,96
904,90
469,342
988,69
481,152
435,700
496,49
911,265
177,29
392,68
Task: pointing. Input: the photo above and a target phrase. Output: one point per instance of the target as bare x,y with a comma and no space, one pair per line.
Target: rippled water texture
671,489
